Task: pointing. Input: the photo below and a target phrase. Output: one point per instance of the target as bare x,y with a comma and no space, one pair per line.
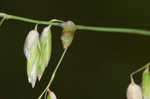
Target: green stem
28,20
80,27
138,70
121,30
2,20
53,74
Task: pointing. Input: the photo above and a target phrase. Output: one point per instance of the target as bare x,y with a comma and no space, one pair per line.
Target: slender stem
109,29
2,20
138,70
28,20
53,74
80,27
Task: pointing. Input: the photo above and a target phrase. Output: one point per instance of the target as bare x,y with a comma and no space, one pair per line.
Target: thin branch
119,30
138,70
80,27
27,19
53,74
2,20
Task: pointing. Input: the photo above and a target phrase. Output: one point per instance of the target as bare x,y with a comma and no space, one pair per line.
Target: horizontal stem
80,27
121,30
28,20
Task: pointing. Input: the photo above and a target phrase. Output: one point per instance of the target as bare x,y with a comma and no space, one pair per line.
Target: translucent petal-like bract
68,33
51,95
32,53
46,49
134,91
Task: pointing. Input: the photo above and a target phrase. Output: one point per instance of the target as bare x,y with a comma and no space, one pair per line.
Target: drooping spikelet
134,91
32,53
46,49
69,29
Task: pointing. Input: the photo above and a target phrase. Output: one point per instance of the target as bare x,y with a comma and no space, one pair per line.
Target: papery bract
51,95
32,53
134,91
46,49
69,29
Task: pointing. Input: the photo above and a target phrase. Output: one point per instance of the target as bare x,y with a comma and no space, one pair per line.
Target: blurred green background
96,66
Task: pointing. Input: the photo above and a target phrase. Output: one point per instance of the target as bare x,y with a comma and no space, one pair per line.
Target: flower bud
146,84
32,53
134,91
46,49
51,95
69,29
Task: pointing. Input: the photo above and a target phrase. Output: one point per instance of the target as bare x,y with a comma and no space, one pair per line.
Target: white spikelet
51,95
134,91
31,39
32,53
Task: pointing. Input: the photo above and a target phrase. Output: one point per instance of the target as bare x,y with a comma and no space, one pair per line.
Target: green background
96,66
